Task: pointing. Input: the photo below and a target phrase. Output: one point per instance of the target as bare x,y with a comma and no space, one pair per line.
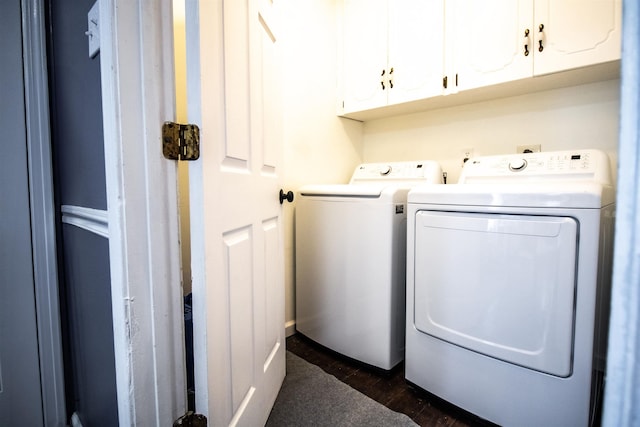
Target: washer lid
524,194
371,180
343,190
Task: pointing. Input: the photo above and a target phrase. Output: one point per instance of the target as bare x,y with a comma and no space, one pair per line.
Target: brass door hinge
191,420
180,142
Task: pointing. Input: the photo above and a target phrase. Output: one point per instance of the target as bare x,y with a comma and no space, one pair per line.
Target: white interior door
237,256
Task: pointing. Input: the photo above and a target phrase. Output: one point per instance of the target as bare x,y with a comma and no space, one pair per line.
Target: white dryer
350,260
508,279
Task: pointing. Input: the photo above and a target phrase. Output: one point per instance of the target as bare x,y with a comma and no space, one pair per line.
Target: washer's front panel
499,284
350,277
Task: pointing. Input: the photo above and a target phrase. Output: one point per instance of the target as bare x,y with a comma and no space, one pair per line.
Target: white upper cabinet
575,33
392,52
496,41
400,56
487,42
364,53
416,49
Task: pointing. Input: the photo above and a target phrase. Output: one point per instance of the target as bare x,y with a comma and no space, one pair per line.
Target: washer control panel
574,165
426,171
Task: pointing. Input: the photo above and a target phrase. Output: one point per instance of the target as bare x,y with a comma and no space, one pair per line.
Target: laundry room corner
318,146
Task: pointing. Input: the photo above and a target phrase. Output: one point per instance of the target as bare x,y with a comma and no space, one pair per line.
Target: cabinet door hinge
180,142
191,420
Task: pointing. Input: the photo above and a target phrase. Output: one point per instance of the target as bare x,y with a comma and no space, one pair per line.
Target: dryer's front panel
498,284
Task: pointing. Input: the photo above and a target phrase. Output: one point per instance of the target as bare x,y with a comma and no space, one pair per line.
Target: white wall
319,147
180,70
569,118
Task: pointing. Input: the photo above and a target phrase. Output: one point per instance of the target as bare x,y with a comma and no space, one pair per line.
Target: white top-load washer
350,260
508,278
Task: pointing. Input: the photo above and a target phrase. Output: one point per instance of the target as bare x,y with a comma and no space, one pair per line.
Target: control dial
517,165
385,170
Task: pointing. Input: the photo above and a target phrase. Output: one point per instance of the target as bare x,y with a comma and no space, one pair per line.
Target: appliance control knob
517,165
385,170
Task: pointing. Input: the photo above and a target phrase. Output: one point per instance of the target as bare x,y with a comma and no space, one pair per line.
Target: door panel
364,56
238,248
236,75
416,49
576,33
511,293
269,315
489,39
238,287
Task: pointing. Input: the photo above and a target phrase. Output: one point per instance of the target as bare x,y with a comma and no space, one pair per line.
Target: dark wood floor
389,389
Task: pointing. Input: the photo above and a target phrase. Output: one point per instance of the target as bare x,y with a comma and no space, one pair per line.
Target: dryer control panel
581,165
412,172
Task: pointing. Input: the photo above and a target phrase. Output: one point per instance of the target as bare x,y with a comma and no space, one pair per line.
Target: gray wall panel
87,272
76,120
20,396
77,142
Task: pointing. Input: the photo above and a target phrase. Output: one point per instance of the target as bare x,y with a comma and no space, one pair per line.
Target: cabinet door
489,39
364,54
416,49
576,33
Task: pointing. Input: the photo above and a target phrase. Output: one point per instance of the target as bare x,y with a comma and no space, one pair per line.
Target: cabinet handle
444,82
391,78
526,42
382,81
540,28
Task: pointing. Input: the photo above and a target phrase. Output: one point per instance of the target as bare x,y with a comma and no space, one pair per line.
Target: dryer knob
385,170
517,165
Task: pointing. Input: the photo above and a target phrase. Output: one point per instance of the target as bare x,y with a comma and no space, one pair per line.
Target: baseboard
75,420
290,328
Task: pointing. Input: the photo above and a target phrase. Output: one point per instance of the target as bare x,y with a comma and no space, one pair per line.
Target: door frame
136,64
42,207
623,378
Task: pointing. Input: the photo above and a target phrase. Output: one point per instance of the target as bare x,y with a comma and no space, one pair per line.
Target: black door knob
288,196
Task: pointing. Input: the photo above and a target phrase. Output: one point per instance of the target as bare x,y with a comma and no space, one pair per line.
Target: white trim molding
75,420
93,220
136,67
289,328
621,407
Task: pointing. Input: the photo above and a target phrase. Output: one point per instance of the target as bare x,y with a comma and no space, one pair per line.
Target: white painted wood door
364,54
488,42
237,238
576,33
416,49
